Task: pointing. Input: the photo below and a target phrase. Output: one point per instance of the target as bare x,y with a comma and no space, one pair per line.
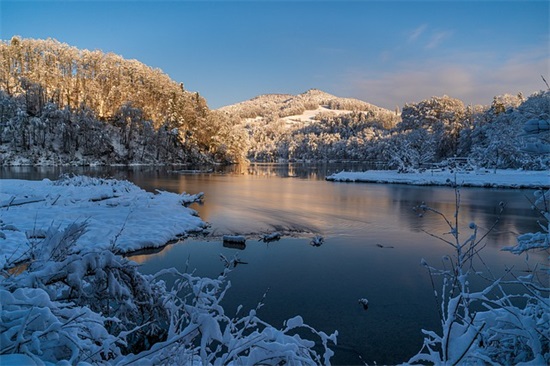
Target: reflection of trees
305,170
145,255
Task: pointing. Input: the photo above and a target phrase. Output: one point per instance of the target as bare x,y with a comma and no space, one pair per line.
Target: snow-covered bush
119,302
34,325
490,325
94,306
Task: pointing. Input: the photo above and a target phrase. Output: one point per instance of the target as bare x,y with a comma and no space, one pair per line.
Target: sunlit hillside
64,105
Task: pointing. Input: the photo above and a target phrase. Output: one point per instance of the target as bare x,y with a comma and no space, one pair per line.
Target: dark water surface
374,243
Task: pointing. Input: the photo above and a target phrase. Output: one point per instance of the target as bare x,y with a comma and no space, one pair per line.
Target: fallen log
20,201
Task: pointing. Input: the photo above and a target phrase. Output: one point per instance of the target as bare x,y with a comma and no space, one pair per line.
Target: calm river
374,243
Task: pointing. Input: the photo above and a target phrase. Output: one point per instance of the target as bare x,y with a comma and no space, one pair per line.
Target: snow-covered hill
308,125
304,106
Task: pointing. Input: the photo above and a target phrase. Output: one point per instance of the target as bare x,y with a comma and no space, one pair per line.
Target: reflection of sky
324,284
259,203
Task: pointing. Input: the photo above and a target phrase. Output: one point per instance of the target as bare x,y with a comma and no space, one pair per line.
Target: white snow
479,178
308,116
117,213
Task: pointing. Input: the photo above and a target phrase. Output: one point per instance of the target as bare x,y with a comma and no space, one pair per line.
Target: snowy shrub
33,324
200,330
96,307
43,311
490,325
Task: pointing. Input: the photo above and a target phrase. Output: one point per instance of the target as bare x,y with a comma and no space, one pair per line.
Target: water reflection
311,171
141,256
373,245
250,199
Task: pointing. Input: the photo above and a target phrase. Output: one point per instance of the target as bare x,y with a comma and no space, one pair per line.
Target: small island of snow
477,178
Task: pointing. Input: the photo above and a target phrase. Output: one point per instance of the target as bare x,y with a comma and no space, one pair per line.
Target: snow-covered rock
272,237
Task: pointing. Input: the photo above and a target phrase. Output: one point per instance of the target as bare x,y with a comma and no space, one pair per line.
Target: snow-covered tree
443,117
410,150
50,72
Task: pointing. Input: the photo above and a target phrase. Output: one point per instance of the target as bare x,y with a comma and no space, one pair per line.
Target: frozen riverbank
118,214
479,178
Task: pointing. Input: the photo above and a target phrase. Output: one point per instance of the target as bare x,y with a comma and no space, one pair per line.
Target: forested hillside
319,126
59,104
488,136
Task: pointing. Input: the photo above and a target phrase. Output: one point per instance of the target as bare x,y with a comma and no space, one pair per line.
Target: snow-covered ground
479,178
305,118
117,213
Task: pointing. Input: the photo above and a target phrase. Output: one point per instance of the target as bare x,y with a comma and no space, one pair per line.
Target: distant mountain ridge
284,105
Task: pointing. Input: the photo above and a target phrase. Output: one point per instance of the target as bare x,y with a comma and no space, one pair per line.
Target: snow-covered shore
78,302
118,214
479,178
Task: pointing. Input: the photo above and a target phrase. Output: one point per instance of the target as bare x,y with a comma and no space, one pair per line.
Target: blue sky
385,52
